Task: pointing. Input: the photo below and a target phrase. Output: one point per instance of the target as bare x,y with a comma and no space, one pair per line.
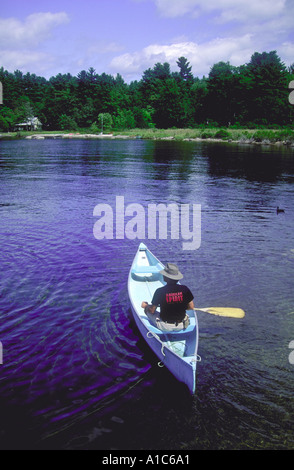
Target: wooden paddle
224,311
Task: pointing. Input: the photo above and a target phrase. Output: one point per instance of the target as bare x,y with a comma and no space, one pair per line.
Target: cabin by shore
32,124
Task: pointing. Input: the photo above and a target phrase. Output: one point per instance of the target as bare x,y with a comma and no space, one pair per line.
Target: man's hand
148,308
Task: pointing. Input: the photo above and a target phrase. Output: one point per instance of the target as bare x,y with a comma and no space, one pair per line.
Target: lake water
76,373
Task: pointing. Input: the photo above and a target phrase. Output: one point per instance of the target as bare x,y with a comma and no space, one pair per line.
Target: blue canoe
176,350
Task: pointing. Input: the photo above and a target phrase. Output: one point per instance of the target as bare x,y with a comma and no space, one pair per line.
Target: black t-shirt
173,300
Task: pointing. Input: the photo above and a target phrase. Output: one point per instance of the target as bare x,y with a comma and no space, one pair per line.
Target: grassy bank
264,136
225,134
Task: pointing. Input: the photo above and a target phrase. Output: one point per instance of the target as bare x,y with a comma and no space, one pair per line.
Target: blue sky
128,36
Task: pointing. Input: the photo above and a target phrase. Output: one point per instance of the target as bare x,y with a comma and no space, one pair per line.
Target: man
174,299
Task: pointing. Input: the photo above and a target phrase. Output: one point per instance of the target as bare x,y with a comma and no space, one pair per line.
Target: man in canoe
174,299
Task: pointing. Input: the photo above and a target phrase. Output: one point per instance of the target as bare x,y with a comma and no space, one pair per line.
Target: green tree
220,100
185,69
124,119
7,119
143,117
267,93
67,123
198,99
165,95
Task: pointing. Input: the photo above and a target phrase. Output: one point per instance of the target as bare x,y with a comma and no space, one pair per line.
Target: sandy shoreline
42,136
75,136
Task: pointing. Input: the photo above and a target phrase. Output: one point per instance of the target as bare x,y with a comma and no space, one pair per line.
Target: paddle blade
224,311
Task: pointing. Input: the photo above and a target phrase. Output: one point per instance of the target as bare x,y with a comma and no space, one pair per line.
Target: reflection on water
268,164
76,374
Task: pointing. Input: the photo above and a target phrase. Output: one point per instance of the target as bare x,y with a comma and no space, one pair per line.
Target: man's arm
190,305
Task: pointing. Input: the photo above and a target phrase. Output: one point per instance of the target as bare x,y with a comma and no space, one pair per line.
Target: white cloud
25,60
245,27
202,57
225,10
173,8
20,41
287,52
251,10
30,32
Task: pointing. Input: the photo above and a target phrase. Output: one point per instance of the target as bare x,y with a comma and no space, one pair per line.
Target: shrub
94,129
222,134
67,123
206,135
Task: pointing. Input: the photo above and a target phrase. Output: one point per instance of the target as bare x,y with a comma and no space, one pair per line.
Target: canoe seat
150,277
161,332
147,269
146,273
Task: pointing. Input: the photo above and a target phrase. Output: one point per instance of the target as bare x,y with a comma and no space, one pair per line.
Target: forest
252,95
